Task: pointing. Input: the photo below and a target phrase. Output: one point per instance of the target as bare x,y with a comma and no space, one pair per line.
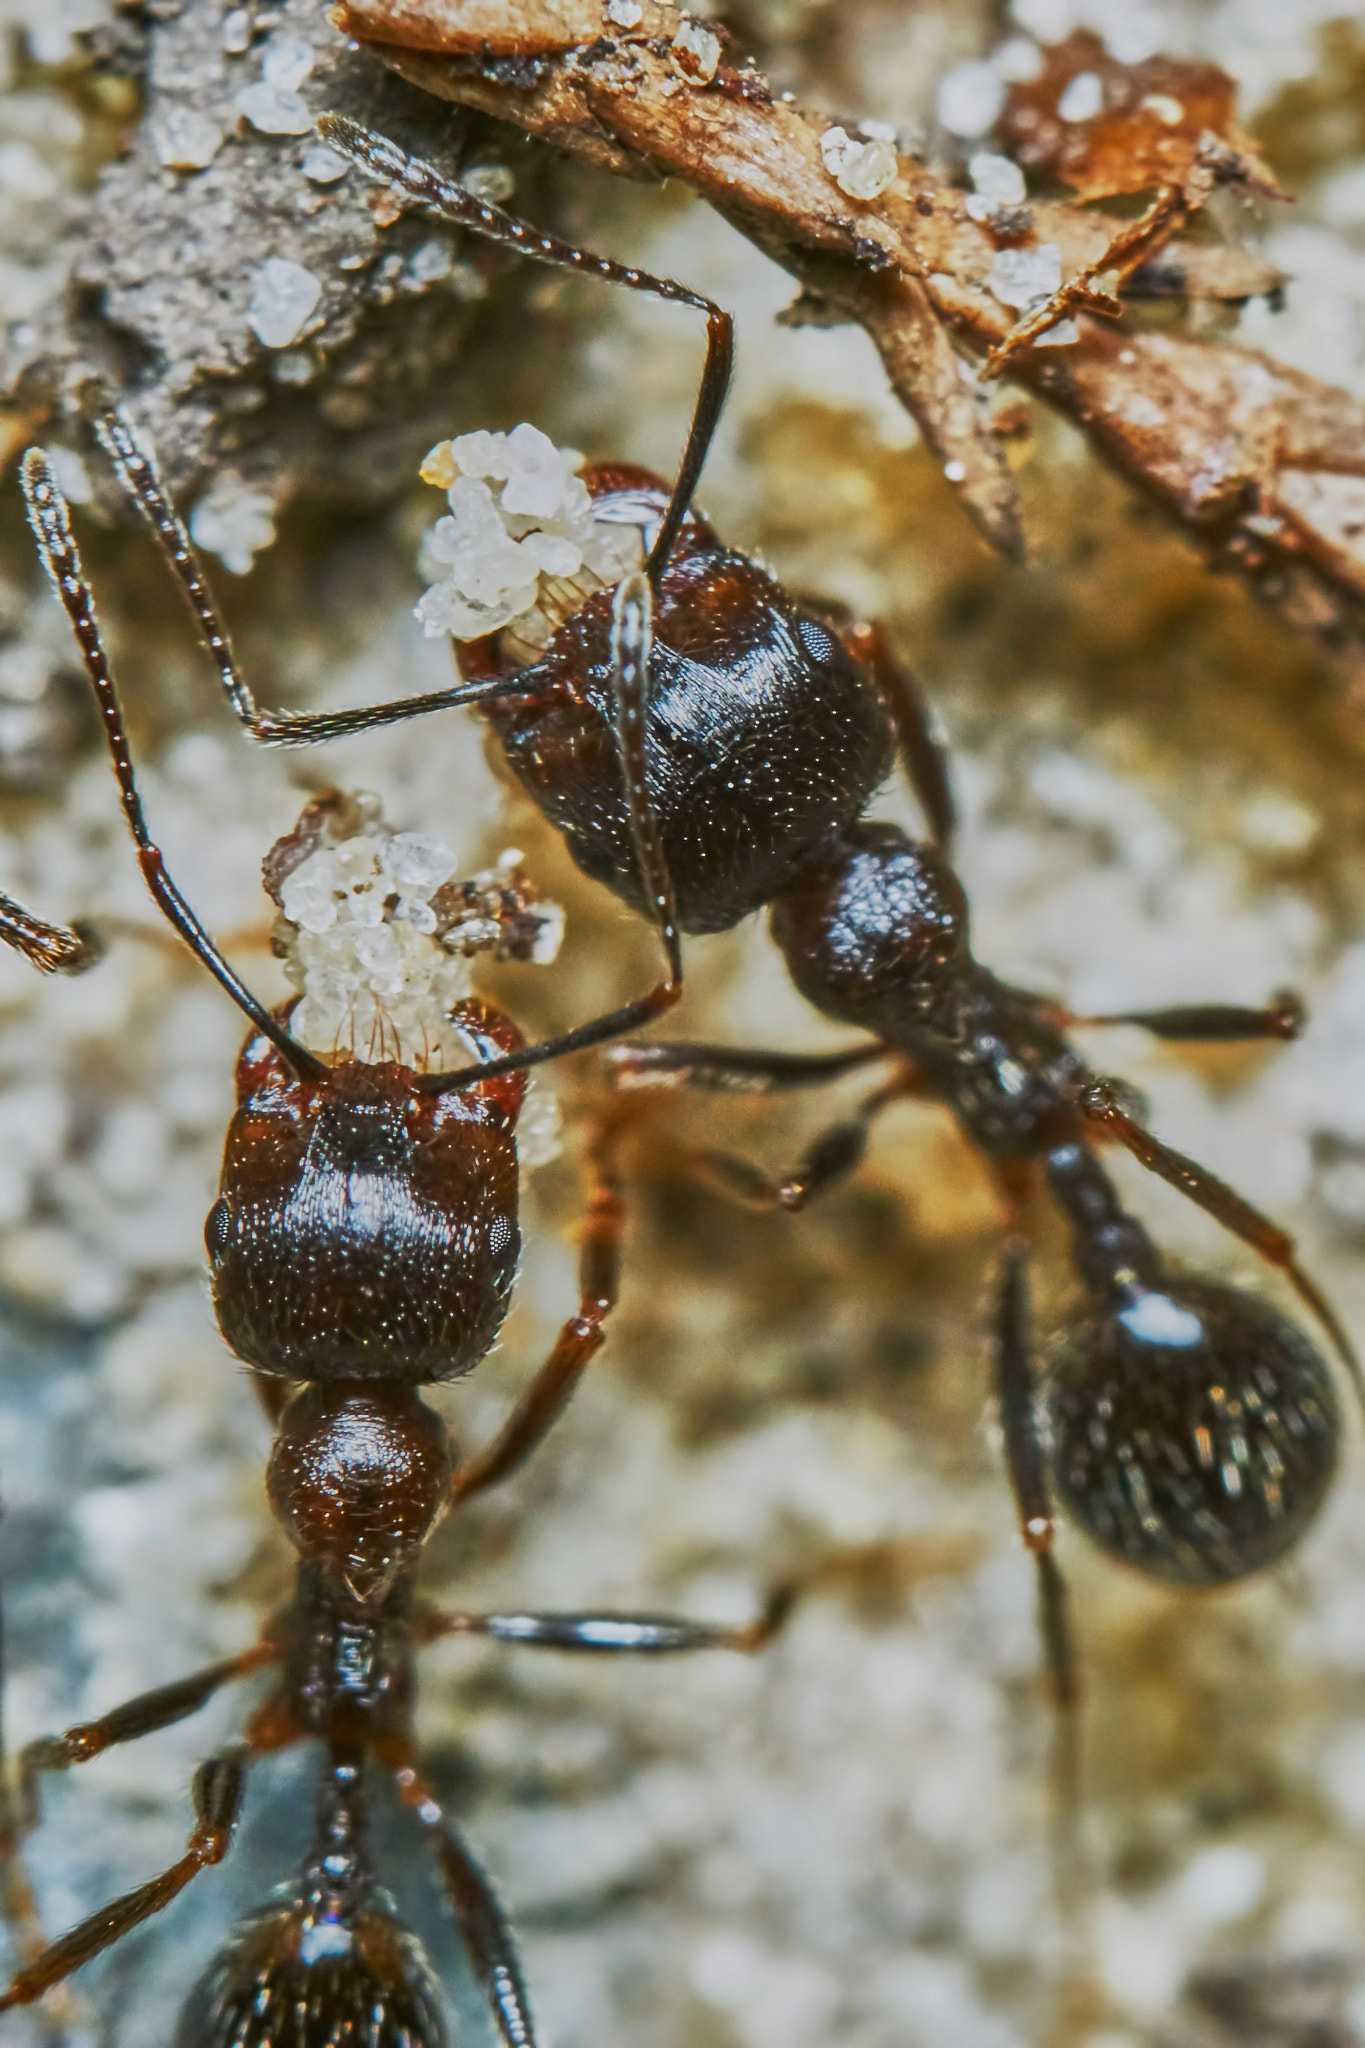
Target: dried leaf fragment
1107,128
1212,432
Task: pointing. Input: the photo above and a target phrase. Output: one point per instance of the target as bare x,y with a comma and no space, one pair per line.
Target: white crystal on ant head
521,547
375,944
419,863
373,980
346,884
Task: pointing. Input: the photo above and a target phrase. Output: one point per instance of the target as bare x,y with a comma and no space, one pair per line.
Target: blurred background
1162,803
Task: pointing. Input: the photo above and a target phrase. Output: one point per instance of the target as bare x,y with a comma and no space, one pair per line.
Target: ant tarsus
51,948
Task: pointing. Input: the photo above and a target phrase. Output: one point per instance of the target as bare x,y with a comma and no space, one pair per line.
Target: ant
362,1247
1191,1429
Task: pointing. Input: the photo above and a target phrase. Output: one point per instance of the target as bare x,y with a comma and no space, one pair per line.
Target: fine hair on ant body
1191,1429
362,1246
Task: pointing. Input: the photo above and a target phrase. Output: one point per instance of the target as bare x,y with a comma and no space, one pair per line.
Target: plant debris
1261,465
1136,126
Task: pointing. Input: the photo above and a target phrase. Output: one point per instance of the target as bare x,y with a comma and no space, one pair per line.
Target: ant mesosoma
1192,1429
362,1246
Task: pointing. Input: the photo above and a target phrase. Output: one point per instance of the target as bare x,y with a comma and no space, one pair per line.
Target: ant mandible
362,1246
1194,1429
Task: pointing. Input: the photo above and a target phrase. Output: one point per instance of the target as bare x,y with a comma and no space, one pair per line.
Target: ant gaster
1193,1428
363,1245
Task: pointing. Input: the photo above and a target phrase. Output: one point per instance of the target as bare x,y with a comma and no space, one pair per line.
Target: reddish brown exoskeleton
363,1246
1191,1429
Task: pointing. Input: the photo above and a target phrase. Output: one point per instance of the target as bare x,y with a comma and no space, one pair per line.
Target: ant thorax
522,548
378,939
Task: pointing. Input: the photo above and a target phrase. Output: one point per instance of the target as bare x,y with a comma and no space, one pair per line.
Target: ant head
357,1478
366,1224
357,1976
1195,1431
737,675
874,929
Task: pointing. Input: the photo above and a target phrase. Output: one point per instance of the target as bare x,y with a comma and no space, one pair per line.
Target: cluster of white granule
521,547
377,938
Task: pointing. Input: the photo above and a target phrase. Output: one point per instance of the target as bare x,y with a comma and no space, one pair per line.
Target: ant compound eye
1194,1432
321,1978
218,1229
819,644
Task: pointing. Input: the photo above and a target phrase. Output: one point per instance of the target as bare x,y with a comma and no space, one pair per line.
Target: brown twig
1251,459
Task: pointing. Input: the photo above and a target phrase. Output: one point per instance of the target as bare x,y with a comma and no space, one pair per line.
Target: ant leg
1026,1464
733,1069
145,1715
835,1154
483,1926
426,185
51,948
1205,1023
17,1902
136,469
631,640
141,479
922,756
1100,1103
655,1635
217,1795
51,523
582,1337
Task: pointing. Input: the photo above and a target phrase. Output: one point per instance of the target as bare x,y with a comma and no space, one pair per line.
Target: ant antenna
423,183
632,638
51,522
137,471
